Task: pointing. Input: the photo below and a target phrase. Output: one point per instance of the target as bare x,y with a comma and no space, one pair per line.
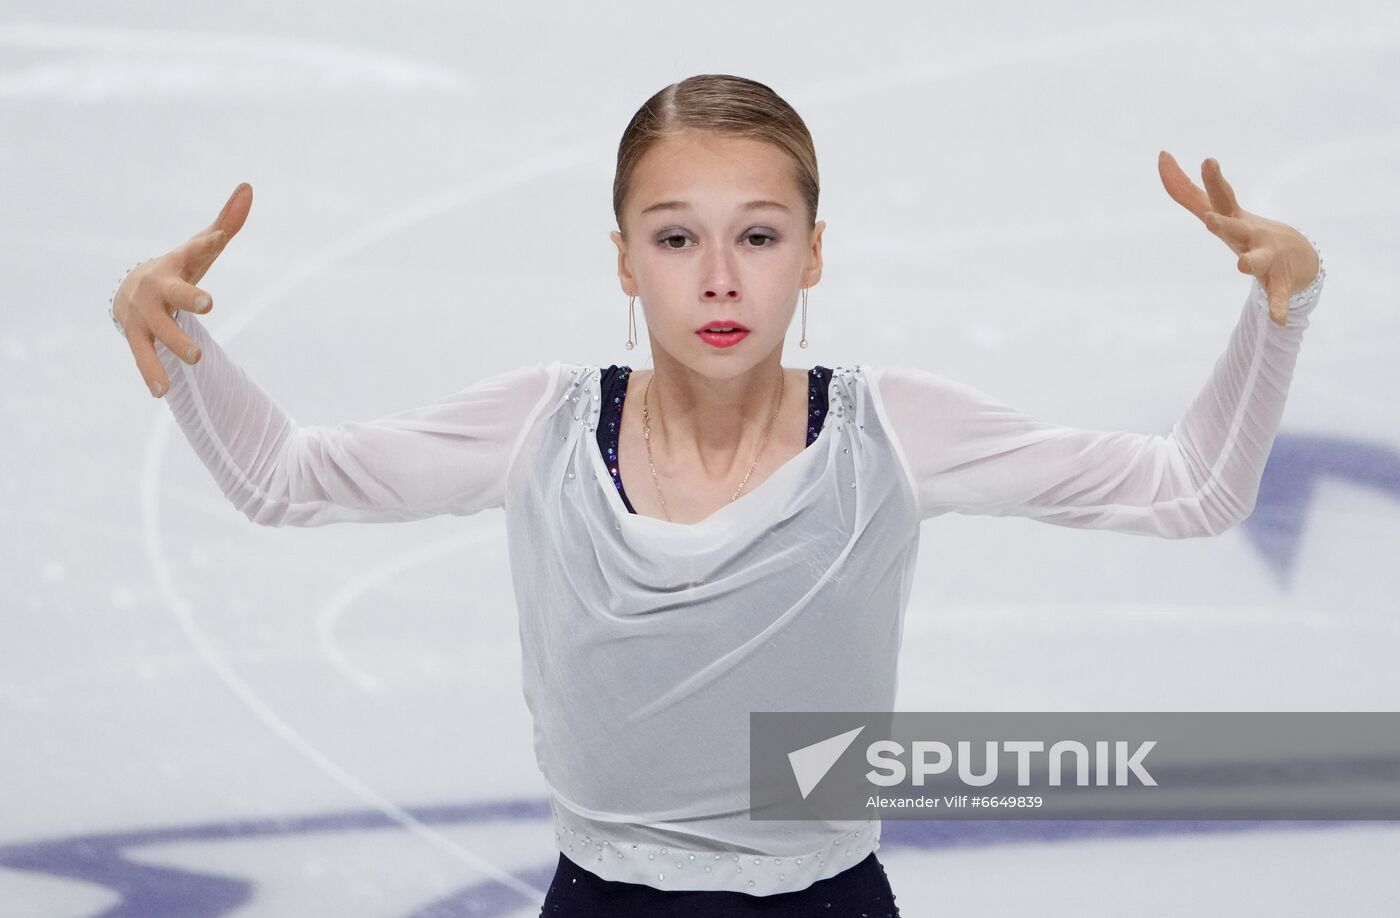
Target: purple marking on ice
1297,463
166,892
969,833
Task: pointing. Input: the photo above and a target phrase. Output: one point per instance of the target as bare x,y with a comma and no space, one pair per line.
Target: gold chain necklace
646,433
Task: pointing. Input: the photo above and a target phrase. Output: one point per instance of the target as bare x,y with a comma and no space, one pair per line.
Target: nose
721,280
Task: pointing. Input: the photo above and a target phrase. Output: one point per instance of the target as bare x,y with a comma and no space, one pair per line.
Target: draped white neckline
758,498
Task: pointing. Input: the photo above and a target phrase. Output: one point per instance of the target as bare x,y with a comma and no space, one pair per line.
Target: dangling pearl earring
803,342
631,324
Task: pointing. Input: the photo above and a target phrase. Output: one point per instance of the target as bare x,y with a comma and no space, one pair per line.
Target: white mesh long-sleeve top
647,643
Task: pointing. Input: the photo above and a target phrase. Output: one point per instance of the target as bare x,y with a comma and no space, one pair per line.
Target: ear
624,272
813,272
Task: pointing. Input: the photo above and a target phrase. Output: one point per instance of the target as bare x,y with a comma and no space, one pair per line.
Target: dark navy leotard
614,390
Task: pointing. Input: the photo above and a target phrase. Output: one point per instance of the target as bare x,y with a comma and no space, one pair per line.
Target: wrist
112,300
1311,258
1308,292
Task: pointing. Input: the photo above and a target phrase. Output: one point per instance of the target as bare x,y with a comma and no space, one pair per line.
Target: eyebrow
685,205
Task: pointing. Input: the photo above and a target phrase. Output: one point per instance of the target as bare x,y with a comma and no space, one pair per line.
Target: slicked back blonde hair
727,105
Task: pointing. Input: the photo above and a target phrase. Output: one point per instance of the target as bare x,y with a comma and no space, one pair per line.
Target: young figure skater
761,554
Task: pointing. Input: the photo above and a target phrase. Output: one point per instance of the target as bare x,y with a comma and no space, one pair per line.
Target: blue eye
664,241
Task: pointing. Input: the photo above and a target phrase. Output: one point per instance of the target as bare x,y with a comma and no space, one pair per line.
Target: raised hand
1278,255
145,303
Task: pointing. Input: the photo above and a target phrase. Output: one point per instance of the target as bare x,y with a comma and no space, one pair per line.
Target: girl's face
699,251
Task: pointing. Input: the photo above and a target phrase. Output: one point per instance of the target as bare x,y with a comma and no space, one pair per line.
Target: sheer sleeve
448,457
965,451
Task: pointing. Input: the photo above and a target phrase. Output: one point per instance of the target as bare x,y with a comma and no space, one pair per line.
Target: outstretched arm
452,456
448,457
967,452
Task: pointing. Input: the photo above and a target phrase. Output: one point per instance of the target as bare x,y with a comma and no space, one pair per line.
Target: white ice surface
432,203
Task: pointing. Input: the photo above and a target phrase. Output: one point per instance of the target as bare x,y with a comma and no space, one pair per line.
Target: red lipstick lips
710,332
723,323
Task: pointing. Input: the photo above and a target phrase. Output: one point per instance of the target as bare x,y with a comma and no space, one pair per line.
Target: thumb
1275,284
1278,305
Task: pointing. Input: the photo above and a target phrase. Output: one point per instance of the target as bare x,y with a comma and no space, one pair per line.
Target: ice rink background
199,716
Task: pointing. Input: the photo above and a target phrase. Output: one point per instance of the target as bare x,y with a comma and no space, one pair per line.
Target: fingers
175,291
1255,262
147,362
206,246
234,212
1280,289
1277,291
200,253
1217,207
1233,230
1184,191
1217,196
152,323
154,300
1273,275
1222,196
172,336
